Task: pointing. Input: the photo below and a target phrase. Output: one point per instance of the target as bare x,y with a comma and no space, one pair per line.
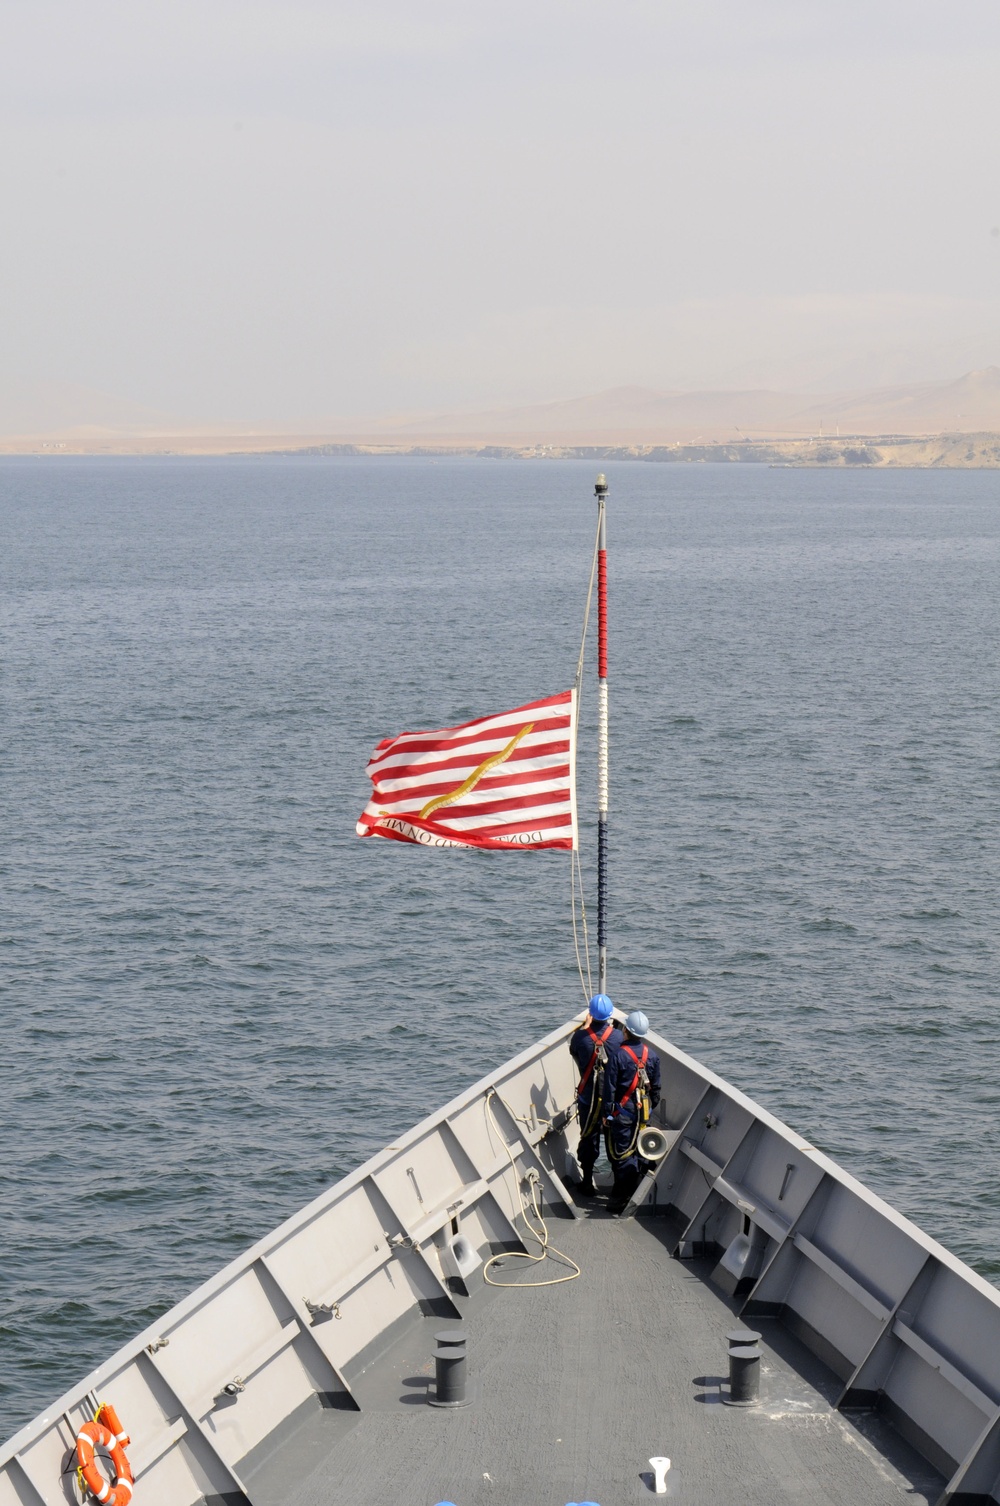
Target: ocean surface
215,999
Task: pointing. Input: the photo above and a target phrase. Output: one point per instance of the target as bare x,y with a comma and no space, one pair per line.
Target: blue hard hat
637,1024
601,1007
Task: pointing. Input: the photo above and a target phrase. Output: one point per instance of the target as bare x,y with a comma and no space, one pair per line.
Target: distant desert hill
621,415
86,421
641,415
59,408
968,406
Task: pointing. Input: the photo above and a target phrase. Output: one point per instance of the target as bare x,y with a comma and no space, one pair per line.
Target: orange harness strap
638,1068
598,1040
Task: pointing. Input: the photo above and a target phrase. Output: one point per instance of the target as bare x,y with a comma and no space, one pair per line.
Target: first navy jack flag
500,782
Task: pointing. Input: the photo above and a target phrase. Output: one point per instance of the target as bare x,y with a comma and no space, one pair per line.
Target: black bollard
739,1338
450,1369
456,1336
744,1368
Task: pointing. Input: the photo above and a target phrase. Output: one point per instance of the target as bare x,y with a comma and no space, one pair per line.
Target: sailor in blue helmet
631,1092
591,1047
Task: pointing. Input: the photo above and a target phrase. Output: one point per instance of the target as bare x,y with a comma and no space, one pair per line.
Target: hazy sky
273,211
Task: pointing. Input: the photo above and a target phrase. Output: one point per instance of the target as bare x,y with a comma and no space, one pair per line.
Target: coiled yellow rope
541,1239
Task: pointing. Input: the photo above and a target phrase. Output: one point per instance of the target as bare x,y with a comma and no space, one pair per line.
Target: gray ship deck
576,1386
299,1375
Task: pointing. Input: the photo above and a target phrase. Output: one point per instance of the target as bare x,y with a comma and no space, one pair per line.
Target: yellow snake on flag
494,760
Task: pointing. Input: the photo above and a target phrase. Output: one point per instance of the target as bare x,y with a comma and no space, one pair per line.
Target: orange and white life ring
105,1432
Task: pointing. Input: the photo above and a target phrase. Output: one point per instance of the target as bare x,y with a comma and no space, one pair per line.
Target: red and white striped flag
501,781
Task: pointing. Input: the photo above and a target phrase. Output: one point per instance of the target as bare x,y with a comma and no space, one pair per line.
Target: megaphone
653,1144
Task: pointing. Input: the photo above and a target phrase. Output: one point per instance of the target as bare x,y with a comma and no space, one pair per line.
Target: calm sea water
216,1000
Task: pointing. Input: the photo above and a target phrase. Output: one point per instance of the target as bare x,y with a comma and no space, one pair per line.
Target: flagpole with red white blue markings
601,492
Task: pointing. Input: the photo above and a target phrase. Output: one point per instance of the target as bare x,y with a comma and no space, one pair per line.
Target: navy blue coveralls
621,1108
583,1048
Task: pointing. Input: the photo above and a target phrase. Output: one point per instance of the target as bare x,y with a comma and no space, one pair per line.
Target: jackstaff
601,492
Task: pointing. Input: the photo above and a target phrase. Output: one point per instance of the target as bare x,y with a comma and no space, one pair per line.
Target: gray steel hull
322,1332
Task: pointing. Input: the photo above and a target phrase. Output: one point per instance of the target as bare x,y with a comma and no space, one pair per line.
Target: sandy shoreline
945,451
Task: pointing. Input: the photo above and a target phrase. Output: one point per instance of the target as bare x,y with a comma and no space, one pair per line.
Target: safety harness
598,1060
640,1087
